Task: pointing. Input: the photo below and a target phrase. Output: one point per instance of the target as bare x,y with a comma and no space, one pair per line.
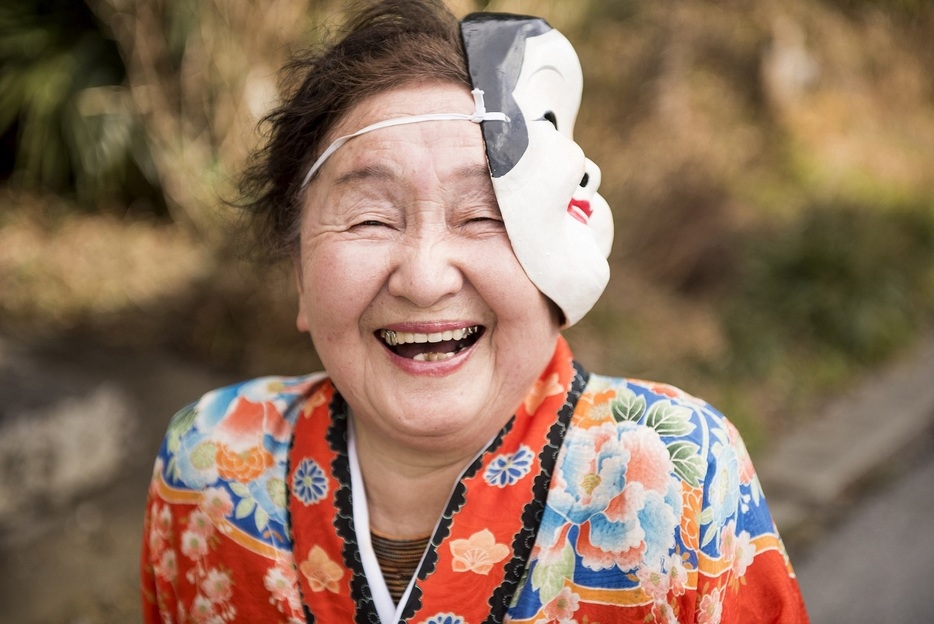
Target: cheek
506,287
341,280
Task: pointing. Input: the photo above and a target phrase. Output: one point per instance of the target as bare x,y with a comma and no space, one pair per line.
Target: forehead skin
404,102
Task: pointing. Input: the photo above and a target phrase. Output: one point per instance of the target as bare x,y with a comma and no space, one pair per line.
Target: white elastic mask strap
479,114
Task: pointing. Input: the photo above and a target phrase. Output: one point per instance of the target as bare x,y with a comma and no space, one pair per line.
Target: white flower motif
281,581
200,522
217,503
507,469
194,544
202,609
217,586
167,568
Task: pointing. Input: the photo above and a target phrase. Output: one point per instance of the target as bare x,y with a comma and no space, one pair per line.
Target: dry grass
59,269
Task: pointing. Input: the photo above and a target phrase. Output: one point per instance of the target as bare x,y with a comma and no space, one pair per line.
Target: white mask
560,228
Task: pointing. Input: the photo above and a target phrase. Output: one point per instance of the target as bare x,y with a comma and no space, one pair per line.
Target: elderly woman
454,463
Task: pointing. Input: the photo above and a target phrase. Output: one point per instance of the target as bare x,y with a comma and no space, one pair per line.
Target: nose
425,269
590,183
601,219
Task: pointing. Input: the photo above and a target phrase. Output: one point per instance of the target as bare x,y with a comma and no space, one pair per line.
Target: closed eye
368,223
486,225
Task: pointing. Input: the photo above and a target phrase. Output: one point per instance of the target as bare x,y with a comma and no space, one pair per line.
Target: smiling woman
420,245
453,463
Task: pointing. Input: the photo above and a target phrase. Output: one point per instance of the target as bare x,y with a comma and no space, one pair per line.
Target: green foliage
668,419
75,127
845,282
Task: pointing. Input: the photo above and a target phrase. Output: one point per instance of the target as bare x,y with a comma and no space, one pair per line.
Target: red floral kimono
601,500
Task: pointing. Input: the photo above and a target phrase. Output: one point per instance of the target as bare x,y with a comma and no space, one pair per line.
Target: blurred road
852,491
876,564
80,425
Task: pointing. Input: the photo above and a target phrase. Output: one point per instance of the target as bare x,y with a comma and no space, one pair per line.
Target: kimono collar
482,540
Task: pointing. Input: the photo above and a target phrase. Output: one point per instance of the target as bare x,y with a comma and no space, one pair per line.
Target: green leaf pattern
248,505
668,419
689,465
548,578
628,406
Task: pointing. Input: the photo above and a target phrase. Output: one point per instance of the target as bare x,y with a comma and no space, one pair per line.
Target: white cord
480,114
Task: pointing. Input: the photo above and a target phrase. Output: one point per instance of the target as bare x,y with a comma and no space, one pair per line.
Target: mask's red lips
580,209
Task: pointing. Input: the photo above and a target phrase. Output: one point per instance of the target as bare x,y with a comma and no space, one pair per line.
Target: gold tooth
392,339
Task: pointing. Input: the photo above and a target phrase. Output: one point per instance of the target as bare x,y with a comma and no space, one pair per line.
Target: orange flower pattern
543,388
478,553
322,573
242,466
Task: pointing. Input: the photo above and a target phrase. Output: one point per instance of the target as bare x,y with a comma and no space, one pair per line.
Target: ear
301,320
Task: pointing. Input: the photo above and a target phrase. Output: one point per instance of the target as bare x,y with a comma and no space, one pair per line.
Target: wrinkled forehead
417,104
407,100
431,147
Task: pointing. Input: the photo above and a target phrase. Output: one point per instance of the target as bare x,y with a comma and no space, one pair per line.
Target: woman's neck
406,490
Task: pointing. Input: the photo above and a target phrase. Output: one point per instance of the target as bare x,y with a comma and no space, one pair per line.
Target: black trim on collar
365,611
524,540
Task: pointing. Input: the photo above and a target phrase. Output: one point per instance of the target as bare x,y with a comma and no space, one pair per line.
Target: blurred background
770,167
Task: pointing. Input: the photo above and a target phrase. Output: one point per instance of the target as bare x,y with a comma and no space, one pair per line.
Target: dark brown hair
384,45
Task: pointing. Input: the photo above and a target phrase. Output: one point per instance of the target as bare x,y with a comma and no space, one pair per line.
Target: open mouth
433,347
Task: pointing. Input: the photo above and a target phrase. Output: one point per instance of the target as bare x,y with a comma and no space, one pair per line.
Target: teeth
433,357
394,338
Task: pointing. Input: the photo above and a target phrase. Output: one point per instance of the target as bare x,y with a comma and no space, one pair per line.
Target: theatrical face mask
560,228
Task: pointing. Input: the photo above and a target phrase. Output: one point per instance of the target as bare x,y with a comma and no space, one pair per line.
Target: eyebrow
473,171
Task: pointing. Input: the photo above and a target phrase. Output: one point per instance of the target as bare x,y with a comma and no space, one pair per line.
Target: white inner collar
388,611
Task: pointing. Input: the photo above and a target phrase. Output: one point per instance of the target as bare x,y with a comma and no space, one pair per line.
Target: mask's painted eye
550,116
585,180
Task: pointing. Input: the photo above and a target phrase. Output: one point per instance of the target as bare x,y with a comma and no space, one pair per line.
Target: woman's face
408,284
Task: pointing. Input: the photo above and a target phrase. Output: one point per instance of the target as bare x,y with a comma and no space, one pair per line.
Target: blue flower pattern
309,483
445,618
508,469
